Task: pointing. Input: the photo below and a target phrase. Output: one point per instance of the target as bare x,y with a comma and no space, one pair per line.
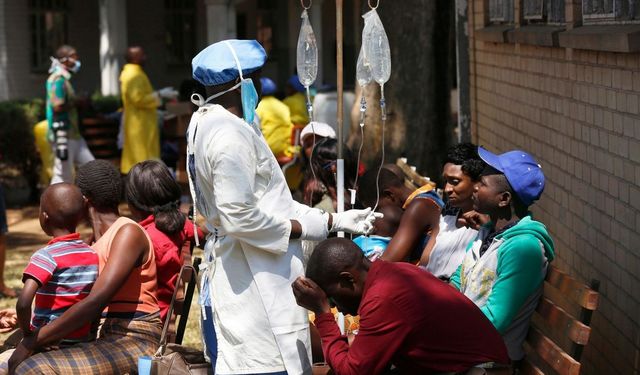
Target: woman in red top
154,200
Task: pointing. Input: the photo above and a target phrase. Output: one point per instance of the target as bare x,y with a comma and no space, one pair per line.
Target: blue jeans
209,336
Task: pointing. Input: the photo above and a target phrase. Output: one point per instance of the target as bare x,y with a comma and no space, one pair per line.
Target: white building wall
21,82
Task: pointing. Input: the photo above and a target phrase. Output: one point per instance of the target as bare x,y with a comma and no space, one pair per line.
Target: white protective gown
244,197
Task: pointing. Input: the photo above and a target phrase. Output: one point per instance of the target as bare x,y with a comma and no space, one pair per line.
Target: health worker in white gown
253,254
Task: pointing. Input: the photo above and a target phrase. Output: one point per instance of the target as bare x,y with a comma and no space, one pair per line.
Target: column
113,43
4,76
221,20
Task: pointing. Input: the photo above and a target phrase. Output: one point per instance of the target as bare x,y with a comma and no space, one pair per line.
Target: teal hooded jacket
506,281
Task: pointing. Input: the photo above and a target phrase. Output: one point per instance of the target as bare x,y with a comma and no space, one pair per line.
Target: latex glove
314,225
168,93
355,221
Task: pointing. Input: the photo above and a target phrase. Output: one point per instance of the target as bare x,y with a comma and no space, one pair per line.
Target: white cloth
243,194
325,108
78,154
450,247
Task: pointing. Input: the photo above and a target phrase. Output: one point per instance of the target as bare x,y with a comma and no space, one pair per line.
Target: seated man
408,318
504,269
421,211
384,228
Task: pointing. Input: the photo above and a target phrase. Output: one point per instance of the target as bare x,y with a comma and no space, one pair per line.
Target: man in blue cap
254,251
504,268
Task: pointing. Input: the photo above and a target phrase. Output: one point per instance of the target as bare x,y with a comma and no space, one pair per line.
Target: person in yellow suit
141,133
44,149
275,120
296,101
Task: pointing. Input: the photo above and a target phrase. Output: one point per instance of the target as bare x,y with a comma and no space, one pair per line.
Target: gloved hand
167,93
355,221
314,225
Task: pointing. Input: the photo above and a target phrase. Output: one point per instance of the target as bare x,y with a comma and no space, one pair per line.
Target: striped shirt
65,269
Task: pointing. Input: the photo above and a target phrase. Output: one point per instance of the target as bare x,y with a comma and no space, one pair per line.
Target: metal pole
339,73
339,122
340,161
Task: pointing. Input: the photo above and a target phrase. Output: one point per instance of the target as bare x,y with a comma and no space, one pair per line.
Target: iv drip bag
376,47
307,53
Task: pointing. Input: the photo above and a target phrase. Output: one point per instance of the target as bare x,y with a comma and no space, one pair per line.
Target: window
501,11
610,10
180,17
544,11
48,23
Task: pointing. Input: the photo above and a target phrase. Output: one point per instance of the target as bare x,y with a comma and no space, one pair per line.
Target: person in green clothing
69,147
504,268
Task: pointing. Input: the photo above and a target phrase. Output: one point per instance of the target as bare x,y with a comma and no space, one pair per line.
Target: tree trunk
417,94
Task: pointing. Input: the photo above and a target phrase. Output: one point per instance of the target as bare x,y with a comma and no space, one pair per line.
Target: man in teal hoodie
504,268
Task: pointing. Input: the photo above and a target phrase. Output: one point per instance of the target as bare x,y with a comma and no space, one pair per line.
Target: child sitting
374,245
63,272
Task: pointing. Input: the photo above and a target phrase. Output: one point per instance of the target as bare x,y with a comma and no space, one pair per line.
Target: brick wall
577,111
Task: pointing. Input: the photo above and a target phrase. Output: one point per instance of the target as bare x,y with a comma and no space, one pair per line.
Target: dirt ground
25,236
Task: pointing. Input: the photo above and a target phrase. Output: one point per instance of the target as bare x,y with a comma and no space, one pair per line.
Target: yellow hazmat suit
276,125
141,133
297,104
43,146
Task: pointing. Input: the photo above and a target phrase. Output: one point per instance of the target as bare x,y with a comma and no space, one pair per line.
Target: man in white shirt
254,252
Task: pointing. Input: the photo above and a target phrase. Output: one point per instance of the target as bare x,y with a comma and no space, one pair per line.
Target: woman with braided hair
154,200
124,293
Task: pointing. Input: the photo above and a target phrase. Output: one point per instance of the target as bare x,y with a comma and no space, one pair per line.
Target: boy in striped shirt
63,272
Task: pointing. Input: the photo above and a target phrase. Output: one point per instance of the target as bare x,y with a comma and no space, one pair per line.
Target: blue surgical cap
216,65
268,86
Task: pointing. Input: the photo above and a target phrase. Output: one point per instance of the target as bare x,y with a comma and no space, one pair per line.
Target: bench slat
553,355
412,175
578,292
528,368
561,323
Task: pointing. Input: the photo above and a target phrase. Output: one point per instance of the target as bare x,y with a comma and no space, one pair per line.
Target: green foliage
18,155
16,133
34,110
105,104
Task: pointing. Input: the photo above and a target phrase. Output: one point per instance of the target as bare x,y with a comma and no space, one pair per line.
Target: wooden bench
560,325
413,179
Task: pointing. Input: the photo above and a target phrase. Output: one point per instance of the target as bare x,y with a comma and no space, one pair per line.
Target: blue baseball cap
295,83
521,170
268,86
216,64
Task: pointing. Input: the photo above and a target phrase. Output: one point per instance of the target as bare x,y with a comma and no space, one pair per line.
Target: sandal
9,293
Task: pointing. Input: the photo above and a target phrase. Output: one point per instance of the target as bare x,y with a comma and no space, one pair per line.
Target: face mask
76,67
248,92
249,99
199,100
